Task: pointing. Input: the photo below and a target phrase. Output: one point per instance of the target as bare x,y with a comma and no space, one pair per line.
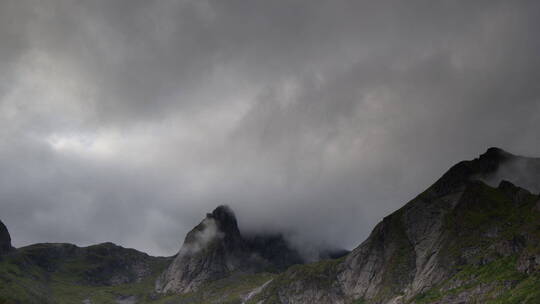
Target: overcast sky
127,121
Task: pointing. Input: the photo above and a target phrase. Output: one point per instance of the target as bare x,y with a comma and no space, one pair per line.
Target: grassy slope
501,280
23,279
319,275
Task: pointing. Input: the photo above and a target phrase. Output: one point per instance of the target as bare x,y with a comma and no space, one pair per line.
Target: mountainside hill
460,241
65,273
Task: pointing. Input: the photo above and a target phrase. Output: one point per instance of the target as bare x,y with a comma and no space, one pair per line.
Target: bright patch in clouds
99,145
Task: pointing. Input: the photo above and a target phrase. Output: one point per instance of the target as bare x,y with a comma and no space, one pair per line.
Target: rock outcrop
5,239
215,249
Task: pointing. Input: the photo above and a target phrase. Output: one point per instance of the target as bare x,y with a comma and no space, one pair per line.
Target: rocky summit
5,239
471,237
215,249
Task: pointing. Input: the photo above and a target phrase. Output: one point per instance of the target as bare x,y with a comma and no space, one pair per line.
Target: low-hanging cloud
524,172
201,238
127,121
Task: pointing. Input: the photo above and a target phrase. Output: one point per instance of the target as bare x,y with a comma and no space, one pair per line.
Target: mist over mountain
313,118
263,152
522,171
459,241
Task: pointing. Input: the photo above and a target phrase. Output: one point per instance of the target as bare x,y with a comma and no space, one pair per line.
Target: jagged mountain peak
496,153
219,230
481,168
215,249
225,220
223,213
5,239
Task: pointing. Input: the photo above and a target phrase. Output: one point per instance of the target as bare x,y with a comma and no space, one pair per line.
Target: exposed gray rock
402,254
210,251
529,263
255,292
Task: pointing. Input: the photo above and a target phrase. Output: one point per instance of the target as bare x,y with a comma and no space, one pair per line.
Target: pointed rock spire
215,249
5,239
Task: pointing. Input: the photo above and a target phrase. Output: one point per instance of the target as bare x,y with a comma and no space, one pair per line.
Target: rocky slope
460,241
215,249
5,239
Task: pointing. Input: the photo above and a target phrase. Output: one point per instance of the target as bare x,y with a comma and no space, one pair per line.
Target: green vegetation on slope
498,281
230,290
484,238
64,273
320,275
494,226
28,276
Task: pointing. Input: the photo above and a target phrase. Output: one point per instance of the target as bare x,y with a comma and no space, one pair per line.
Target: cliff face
5,239
442,247
215,249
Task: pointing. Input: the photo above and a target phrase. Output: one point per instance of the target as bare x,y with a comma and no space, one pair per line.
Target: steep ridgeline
5,239
460,241
215,249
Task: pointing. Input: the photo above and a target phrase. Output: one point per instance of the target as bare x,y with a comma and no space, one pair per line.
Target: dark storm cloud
126,121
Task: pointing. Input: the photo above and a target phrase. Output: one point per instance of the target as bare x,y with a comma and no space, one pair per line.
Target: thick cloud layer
127,121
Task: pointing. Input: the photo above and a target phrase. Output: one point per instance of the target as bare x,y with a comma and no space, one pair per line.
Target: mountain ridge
471,237
413,249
